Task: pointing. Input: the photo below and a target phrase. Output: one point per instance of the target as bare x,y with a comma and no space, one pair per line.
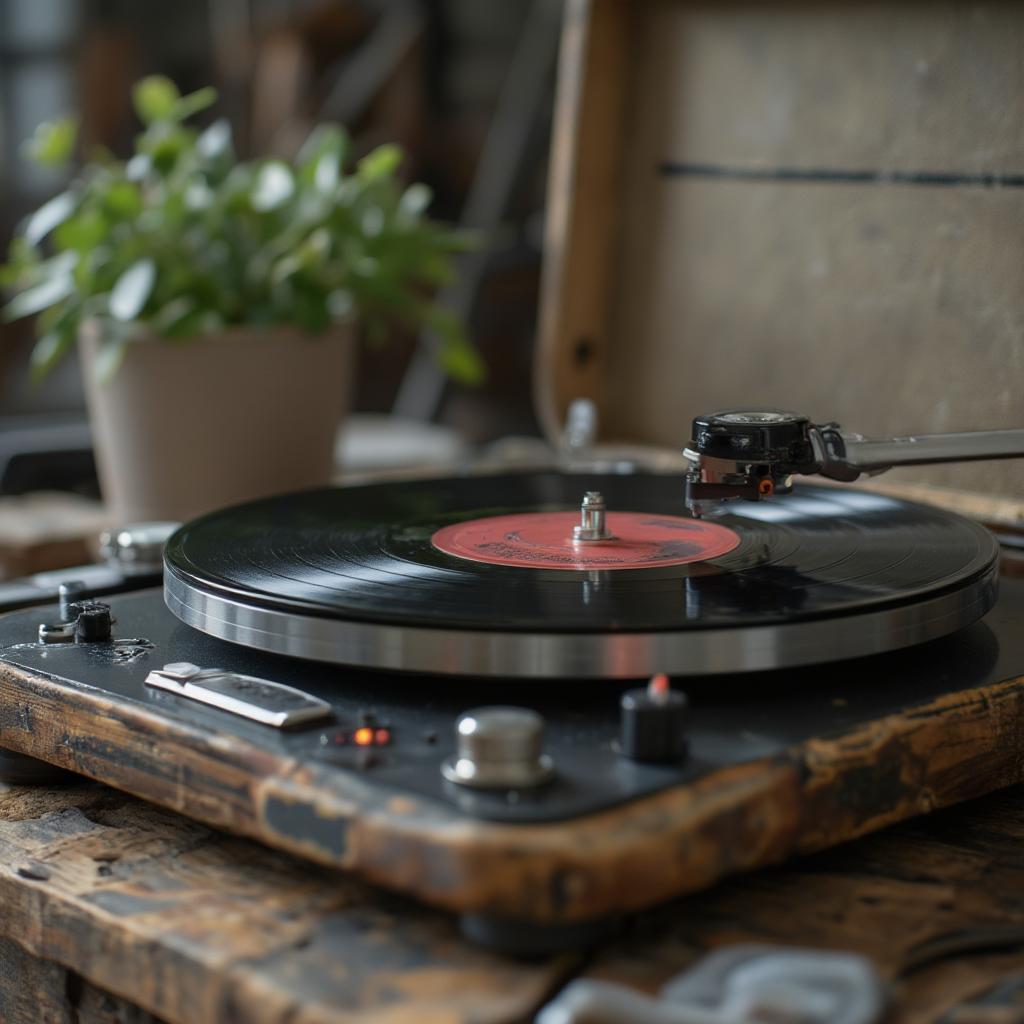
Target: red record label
544,540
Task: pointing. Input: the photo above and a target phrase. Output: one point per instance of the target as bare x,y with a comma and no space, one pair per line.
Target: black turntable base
556,803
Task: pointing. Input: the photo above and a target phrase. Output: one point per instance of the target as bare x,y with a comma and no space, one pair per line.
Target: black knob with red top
652,723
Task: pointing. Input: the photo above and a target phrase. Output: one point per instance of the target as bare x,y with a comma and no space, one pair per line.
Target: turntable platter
474,576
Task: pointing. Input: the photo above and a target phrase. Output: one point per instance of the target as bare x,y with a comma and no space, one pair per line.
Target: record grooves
353,575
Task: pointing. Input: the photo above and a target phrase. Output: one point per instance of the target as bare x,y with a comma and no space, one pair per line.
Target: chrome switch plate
259,700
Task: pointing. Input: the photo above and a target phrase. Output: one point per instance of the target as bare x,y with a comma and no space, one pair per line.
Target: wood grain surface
196,927
580,274
935,903
115,911
36,991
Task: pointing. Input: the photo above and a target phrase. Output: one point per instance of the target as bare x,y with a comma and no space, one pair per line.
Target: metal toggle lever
259,700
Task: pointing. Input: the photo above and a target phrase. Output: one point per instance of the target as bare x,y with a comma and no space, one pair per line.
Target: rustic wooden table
116,911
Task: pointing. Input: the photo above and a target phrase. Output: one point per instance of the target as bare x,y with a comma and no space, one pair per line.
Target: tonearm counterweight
755,453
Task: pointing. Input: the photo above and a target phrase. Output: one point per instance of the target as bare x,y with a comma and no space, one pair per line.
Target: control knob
653,722
499,747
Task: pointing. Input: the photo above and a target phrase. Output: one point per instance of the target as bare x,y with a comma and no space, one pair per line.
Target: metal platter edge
610,655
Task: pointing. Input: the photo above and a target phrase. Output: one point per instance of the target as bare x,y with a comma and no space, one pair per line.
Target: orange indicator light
363,736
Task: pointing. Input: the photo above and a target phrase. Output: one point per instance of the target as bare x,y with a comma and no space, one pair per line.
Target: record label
544,540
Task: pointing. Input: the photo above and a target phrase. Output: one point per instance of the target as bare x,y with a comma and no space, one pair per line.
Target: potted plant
213,300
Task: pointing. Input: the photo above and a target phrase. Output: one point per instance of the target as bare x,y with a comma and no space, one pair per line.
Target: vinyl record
481,575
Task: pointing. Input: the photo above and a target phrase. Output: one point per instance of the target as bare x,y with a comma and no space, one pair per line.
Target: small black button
93,623
653,722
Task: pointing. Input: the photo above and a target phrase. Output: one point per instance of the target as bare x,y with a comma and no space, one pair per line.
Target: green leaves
321,157
380,163
157,98
41,296
53,345
215,142
82,233
48,216
122,199
195,102
456,355
132,290
154,99
415,200
274,186
182,239
462,362
52,143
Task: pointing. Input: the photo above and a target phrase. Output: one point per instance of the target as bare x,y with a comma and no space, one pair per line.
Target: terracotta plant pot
186,427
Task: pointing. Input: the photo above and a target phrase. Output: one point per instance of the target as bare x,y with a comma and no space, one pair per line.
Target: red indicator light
382,737
363,736
659,685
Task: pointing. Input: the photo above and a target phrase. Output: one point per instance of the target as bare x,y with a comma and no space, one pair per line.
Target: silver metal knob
68,593
593,524
136,549
499,747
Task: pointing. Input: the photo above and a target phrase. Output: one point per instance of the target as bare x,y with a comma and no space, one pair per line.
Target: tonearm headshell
755,453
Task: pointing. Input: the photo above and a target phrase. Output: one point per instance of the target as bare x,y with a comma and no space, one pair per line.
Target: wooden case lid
812,206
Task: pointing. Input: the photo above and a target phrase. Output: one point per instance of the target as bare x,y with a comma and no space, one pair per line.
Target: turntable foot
22,770
528,939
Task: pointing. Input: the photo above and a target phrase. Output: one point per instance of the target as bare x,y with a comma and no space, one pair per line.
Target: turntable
544,700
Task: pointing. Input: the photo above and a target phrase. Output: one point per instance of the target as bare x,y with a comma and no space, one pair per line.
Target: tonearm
755,453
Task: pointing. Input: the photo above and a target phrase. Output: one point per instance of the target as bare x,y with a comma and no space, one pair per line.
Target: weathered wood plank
198,928
31,990
584,182
822,791
202,928
932,902
34,991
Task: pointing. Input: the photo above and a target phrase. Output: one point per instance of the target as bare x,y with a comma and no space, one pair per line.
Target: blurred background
846,177
464,87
